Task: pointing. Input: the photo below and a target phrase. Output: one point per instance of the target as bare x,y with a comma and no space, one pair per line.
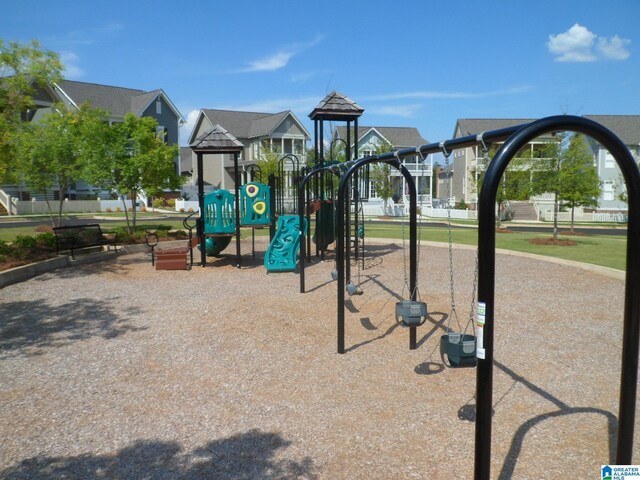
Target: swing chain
451,278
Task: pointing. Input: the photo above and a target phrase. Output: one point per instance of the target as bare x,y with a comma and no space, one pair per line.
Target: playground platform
116,370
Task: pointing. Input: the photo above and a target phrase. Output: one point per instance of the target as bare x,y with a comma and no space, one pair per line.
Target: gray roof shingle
336,106
626,127
247,124
217,140
399,137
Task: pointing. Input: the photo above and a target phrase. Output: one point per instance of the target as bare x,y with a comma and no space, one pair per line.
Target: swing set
463,348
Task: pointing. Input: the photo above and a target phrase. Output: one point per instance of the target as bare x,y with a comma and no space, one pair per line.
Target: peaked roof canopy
336,106
217,140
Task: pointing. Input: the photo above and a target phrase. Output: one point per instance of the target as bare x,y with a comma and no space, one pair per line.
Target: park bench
76,237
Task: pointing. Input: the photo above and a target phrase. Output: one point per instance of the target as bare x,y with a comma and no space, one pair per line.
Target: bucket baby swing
458,347
411,312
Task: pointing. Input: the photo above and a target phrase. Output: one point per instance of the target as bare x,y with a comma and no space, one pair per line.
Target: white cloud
431,94
297,105
614,48
72,70
187,128
405,111
579,44
270,63
280,59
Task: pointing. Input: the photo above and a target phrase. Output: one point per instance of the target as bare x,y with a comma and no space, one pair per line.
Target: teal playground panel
219,213
220,209
282,254
254,204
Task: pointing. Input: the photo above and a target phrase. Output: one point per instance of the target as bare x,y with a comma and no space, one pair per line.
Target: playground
116,370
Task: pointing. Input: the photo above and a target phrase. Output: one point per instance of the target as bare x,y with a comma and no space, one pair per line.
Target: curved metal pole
301,202
340,234
486,280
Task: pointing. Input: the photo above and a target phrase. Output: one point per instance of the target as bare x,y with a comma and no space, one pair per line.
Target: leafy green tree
579,182
135,160
380,175
268,162
54,152
23,68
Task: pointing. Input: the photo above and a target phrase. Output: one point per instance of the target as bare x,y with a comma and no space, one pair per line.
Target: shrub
108,210
25,242
5,248
191,210
46,241
171,202
158,203
182,210
118,209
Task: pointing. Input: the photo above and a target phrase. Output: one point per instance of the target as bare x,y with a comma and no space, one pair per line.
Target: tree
135,160
546,175
268,162
380,175
567,172
55,151
579,182
23,68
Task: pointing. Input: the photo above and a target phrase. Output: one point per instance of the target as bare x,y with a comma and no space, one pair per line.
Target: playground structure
224,213
514,139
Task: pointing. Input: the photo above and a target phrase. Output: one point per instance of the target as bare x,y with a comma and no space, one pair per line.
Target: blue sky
420,64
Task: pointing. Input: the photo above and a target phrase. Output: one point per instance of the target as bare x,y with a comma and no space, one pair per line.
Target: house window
158,107
607,191
609,161
372,190
161,133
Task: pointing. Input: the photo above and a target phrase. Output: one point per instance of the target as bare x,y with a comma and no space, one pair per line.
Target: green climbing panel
325,228
254,204
219,213
282,254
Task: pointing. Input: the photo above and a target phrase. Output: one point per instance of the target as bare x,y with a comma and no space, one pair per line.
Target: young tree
55,151
546,174
579,182
380,175
23,68
135,160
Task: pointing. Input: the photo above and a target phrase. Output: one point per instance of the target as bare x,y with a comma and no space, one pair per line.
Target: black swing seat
412,313
458,350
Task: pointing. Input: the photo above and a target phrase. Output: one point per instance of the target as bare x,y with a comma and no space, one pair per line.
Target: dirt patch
552,241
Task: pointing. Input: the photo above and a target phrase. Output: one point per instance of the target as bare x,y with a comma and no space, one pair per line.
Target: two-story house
627,128
280,132
371,139
117,101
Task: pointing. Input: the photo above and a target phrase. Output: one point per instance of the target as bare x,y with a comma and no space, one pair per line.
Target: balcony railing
415,169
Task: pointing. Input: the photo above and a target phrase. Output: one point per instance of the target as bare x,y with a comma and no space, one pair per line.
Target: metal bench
75,237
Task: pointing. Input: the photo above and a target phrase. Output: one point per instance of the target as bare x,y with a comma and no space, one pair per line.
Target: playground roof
217,140
336,106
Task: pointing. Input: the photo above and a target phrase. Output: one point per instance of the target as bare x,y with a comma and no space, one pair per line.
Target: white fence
39,207
187,206
587,217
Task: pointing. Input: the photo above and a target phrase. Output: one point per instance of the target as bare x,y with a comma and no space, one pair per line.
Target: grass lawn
603,250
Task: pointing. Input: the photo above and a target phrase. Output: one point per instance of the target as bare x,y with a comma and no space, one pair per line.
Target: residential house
627,128
460,175
371,139
258,132
458,181
118,101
